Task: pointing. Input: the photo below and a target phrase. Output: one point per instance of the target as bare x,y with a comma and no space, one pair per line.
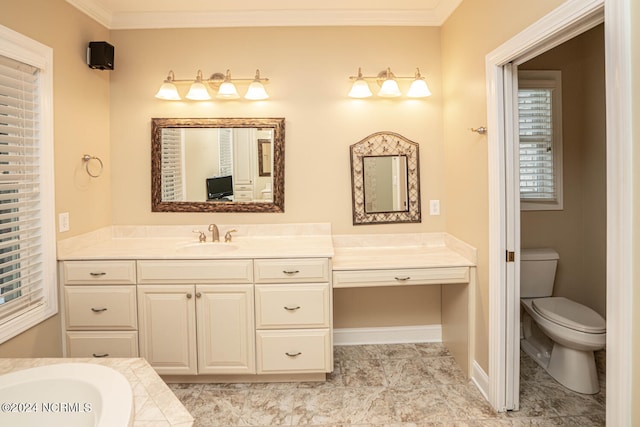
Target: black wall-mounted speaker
100,55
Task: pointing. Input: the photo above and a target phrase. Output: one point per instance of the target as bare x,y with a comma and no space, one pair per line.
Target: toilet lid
570,314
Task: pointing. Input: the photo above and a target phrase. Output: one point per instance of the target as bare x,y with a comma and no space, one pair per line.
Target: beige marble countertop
394,251
168,242
154,402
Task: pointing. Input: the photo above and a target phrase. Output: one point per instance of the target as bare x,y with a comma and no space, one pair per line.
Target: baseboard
480,379
387,335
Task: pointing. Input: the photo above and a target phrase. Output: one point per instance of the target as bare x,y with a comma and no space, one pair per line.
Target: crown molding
95,10
265,18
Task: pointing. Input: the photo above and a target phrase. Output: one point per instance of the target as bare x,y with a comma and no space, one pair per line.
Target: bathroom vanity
259,305
257,308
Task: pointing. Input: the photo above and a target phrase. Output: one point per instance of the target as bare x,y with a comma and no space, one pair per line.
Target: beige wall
635,321
475,29
578,232
308,70
81,125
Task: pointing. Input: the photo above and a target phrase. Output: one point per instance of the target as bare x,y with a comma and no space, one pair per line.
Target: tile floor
398,385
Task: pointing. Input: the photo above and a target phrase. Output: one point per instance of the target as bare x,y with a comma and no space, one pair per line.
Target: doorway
570,19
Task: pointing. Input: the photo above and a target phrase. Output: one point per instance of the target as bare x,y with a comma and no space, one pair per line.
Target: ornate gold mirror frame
277,170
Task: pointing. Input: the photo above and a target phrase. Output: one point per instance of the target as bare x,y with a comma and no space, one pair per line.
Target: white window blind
28,288
540,140
172,176
21,251
225,144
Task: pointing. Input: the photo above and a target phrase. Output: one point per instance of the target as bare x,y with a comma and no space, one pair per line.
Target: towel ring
86,159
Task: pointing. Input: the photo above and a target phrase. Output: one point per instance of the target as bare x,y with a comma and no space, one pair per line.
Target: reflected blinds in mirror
172,174
225,143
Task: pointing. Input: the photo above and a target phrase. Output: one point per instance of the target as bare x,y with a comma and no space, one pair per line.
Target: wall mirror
217,165
385,180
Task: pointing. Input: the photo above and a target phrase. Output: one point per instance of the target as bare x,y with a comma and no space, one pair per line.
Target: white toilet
560,334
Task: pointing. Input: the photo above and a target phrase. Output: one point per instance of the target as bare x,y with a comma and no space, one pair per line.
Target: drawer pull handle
98,274
292,308
402,279
98,310
293,354
290,272
101,355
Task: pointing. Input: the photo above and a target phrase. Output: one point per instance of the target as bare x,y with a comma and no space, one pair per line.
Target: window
540,124
28,290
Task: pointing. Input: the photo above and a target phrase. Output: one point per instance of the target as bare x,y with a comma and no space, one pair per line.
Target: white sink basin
206,248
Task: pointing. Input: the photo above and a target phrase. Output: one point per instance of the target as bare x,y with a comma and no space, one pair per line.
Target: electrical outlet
63,222
434,207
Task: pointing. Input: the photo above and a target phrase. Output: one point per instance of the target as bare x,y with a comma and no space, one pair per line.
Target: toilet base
575,369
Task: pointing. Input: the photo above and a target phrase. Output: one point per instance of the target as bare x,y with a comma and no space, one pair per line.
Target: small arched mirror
385,180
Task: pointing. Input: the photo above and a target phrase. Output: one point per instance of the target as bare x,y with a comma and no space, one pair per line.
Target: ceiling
134,14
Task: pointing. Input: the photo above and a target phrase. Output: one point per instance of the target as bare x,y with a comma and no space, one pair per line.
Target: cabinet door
225,329
244,140
167,327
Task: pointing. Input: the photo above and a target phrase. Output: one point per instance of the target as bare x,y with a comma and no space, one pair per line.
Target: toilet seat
570,314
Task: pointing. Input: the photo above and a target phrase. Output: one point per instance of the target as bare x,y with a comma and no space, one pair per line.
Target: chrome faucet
215,234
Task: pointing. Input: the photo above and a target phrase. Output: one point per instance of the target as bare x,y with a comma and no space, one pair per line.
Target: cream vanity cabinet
197,316
99,300
293,316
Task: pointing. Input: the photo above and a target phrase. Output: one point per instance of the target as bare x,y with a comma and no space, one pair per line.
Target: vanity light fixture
223,84
198,91
389,88
360,88
418,88
227,89
168,91
388,83
256,91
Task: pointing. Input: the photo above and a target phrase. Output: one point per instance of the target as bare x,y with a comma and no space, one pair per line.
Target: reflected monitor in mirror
385,180
243,155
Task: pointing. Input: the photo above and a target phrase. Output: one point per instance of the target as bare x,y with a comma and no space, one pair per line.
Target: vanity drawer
100,307
195,271
285,306
102,344
294,351
242,196
291,270
101,272
242,187
401,277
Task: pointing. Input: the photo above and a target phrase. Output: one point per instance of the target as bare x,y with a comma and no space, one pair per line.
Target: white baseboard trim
387,335
480,379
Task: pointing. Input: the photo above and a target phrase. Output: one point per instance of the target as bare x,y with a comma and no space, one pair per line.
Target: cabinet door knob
293,354
189,295
292,308
198,294
98,310
101,355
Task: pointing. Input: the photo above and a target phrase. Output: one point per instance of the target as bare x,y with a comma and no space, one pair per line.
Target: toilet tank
537,272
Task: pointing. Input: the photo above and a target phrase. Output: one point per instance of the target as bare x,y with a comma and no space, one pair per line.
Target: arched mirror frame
385,144
277,173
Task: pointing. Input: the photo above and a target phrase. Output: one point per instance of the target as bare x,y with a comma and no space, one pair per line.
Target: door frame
568,20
